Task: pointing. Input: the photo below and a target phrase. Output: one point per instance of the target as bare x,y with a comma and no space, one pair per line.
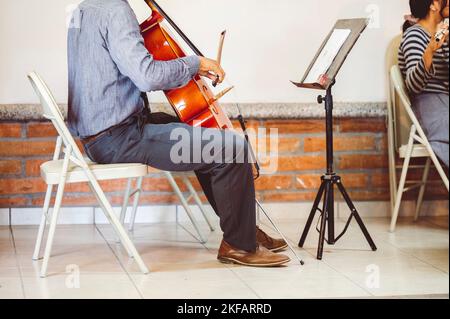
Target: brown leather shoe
272,244
262,257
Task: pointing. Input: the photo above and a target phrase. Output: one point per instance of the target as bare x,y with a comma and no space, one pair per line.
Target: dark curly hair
420,10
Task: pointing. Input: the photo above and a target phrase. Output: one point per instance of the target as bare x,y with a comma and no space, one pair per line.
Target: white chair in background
400,116
74,168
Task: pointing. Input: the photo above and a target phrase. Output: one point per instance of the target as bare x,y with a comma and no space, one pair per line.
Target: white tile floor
88,263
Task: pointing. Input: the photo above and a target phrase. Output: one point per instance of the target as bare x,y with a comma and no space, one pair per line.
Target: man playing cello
109,67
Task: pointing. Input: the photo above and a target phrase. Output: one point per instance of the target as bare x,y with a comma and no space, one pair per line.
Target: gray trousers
227,183
432,112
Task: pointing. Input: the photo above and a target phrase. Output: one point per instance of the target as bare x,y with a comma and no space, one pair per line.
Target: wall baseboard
168,213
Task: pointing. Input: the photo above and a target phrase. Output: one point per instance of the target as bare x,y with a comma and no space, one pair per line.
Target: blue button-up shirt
109,67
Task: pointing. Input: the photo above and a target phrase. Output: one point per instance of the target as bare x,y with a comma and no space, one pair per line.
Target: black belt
140,117
92,138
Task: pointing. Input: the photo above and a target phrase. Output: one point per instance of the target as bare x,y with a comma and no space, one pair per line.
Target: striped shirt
418,79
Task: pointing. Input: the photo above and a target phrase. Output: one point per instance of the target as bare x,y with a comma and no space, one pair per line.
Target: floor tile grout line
430,264
384,240
120,262
244,282
412,255
338,272
397,248
415,257
432,223
226,266
309,253
403,252
351,230
129,274
350,279
187,231
11,232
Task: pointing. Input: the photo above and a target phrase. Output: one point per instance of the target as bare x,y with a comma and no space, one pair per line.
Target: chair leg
48,196
402,182
391,152
426,173
137,196
185,204
55,214
37,247
392,182
198,201
438,166
126,198
105,211
115,222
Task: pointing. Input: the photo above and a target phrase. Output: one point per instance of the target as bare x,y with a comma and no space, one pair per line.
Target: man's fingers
212,70
221,73
211,76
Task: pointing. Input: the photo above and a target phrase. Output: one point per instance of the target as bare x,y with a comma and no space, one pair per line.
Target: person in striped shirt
424,62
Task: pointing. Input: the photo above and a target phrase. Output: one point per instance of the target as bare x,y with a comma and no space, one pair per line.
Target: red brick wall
360,157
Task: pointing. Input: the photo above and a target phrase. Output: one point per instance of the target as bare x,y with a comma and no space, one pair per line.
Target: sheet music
326,57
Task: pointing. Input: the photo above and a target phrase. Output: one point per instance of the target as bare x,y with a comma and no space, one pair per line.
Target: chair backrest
397,107
52,112
392,52
405,116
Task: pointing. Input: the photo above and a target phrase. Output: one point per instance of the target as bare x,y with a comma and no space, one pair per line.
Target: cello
195,104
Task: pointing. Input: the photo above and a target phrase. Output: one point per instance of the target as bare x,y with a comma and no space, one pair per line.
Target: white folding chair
74,168
397,123
417,145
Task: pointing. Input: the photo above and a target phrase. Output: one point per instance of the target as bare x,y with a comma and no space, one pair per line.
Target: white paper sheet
328,54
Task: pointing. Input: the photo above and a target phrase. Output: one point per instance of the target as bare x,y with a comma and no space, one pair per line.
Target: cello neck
155,7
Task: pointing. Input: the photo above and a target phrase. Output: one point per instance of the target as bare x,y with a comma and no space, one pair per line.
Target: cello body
194,103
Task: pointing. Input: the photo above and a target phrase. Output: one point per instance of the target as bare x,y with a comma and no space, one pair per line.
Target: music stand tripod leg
325,217
330,215
313,213
356,214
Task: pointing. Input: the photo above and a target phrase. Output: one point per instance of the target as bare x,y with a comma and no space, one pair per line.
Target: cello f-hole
213,108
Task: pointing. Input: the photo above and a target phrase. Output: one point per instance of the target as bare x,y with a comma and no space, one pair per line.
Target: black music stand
331,179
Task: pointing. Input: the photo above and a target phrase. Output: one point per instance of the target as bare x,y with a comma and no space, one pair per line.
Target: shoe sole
277,250
227,260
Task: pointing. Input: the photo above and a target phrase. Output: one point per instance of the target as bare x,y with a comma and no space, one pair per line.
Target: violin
195,104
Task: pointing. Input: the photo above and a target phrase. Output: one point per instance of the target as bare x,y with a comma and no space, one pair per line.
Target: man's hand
211,69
